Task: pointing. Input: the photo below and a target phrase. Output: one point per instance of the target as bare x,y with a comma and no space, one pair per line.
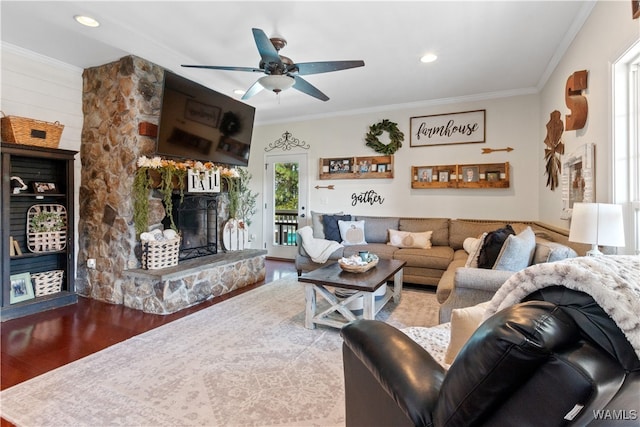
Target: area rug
247,361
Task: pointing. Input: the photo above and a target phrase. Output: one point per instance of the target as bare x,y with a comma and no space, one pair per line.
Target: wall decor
493,150
367,197
328,187
340,165
44,187
362,167
576,101
207,115
554,148
286,143
395,137
578,178
473,176
21,288
635,9
453,128
203,181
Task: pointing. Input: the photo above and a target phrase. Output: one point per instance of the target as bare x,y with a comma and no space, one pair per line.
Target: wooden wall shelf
361,167
479,175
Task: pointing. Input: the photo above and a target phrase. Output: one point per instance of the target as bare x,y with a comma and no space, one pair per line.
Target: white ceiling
484,48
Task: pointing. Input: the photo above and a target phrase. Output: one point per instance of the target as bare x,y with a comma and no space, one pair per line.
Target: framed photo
441,129
382,168
470,174
207,115
493,176
21,288
340,166
44,187
425,175
443,176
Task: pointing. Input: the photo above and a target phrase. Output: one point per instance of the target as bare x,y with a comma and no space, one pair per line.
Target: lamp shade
276,82
598,224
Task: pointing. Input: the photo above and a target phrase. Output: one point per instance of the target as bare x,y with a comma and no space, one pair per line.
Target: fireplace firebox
197,221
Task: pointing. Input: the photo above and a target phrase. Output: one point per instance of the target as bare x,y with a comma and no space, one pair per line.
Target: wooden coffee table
332,276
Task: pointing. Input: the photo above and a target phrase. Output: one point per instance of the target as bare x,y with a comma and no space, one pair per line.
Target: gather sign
454,128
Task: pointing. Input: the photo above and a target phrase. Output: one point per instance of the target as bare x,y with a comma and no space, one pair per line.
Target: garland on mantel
395,136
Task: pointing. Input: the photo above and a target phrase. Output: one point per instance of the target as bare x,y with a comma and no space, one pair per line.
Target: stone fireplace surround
116,98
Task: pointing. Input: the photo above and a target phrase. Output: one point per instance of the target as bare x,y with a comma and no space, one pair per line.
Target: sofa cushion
461,229
318,226
439,226
474,250
352,232
547,251
464,322
491,247
517,251
331,229
375,228
407,239
437,257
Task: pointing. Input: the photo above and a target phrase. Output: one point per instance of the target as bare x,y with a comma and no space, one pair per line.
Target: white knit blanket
318,249
612,281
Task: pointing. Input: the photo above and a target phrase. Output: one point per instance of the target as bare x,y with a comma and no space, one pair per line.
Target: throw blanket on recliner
613,281
318,249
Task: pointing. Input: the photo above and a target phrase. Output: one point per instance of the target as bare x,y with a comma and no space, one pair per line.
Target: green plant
47,222
242,201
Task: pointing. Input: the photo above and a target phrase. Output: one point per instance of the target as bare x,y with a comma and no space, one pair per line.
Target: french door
285,202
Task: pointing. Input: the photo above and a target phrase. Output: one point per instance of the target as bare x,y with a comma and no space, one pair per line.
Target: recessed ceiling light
429,57
239,91
86,21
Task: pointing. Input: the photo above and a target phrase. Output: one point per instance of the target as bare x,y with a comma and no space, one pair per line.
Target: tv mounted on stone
198,123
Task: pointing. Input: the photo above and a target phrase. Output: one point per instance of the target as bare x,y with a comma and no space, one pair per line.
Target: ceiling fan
281,72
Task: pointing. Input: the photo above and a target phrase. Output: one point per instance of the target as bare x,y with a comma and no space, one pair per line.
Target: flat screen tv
198,123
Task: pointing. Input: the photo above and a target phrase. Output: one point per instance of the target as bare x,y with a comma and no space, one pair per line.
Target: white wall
510,122
606,35
41,88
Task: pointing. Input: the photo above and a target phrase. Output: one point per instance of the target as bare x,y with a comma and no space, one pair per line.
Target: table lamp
598,224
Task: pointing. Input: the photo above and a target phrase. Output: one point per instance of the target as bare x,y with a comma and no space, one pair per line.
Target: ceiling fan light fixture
276,82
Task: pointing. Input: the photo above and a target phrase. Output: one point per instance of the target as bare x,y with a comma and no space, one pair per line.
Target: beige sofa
442,265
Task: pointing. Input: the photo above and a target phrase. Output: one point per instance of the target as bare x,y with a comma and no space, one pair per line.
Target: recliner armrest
404,370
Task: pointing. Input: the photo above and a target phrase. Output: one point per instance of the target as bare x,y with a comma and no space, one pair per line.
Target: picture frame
443,176
208,115
578,178
442,129
470,174
21,288
425,175
44,187
382,168
493,176
340,166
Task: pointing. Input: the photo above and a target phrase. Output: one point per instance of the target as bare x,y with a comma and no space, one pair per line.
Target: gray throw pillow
517,251
317,225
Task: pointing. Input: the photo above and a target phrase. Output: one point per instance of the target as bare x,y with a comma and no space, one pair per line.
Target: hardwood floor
36,344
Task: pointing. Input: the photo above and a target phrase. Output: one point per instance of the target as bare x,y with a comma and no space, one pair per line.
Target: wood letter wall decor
577,103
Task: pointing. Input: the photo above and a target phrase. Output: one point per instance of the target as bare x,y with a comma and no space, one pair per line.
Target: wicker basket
48,282
360,268
22,130
42,240
158,254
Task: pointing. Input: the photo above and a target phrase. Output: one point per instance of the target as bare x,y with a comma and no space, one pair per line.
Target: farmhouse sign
454,128
203,181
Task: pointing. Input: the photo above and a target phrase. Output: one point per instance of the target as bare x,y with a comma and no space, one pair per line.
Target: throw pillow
464,322
492,245
331,229
472,260
318,226
406,239
517,251
352,232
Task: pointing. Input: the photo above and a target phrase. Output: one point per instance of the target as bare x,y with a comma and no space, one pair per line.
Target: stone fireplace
117,98
196,216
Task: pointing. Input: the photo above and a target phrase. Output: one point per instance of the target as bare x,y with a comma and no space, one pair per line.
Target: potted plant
242,206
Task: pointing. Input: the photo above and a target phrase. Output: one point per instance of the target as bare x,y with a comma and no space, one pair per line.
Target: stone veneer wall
116,98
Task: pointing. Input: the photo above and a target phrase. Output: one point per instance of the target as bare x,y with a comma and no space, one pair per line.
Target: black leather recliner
555,359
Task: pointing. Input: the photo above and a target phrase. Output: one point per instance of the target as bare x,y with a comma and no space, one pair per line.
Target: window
626,144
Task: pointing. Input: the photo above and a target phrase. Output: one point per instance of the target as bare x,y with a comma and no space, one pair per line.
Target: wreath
395,135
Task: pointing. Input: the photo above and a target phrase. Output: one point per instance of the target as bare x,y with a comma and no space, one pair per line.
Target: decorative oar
491,150
328,187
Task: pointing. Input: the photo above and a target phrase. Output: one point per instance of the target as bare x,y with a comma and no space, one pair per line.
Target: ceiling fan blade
307,68
254,89
216,67
267,51
306,87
